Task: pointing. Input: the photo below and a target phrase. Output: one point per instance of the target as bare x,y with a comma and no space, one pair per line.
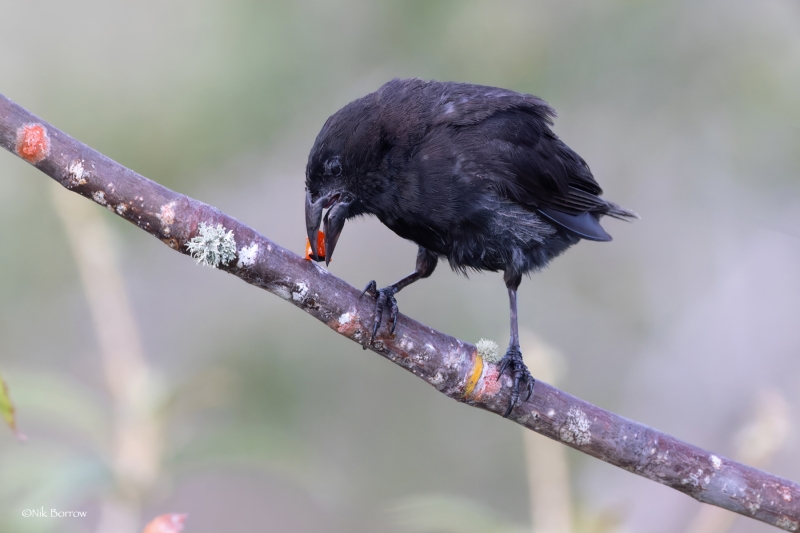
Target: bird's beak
313,220
333,222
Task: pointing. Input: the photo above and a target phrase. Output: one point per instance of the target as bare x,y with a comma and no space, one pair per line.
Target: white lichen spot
488,350
300,291
247,255
167,215
787,524
75,173
754,506
525,419
99,197
716,462
282,291
785,493
438,379
345,318
121,208
551,413
213,246
693,480
576,428
408,346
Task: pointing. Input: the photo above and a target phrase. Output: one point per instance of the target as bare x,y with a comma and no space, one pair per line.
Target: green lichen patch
488,350
212,246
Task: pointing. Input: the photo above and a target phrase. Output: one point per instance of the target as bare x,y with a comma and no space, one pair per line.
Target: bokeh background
146,384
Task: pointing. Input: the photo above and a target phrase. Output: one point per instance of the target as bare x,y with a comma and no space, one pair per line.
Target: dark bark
452,366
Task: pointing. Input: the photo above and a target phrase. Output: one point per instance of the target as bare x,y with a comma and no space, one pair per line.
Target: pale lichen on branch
489,350
212,246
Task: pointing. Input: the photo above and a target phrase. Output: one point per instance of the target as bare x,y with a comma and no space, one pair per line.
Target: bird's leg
426,263
512,360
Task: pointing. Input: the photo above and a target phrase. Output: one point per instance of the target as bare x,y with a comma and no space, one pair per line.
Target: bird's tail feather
620,212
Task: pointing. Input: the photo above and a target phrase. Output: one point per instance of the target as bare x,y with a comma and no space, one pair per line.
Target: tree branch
452,366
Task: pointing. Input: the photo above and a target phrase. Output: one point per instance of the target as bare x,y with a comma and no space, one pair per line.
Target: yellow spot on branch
477,370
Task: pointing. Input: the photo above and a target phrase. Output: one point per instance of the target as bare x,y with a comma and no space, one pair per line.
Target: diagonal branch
452,366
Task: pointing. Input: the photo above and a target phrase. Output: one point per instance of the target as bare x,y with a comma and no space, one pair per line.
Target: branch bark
452,366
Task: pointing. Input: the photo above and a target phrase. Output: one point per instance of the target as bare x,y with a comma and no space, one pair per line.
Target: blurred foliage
443,513
7,408
687,112
448,513
166,523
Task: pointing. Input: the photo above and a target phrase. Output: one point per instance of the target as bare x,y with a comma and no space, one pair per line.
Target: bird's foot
384,298
512,361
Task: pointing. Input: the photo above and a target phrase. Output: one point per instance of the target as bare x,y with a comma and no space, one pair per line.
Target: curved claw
503,364
371,287
512,362
383,298
381,301
393,312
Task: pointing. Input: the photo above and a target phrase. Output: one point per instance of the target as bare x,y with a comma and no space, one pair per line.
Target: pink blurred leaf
166,523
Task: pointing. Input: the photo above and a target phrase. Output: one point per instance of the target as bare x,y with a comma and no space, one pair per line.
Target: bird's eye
333,167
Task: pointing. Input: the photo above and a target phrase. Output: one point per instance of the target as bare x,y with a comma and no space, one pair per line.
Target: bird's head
347,149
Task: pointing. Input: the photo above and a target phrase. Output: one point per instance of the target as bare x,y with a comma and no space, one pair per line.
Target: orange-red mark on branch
33,143
320,246
166,523
488,385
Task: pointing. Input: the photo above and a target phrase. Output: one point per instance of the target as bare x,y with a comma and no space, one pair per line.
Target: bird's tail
620,212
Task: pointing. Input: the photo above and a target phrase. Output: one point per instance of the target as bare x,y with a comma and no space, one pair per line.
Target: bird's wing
505,138
532,166
535,167
464,104
527,162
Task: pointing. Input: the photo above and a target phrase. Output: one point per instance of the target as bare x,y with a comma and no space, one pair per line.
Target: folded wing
534,167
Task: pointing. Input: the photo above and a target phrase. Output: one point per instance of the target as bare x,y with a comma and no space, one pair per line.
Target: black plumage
470,173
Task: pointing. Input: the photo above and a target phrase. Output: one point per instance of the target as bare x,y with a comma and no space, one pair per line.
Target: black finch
469,173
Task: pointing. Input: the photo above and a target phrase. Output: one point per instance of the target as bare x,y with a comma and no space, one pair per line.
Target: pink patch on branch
488,385
33,143
166,523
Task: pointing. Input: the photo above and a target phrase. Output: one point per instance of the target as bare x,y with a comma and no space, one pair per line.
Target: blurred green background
251,416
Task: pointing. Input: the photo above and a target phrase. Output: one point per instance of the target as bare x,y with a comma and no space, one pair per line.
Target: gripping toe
384,298
518,372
